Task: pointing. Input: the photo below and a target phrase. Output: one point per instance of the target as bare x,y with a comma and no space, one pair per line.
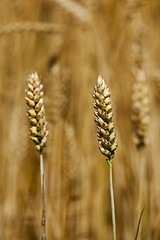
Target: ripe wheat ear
105,133
38,130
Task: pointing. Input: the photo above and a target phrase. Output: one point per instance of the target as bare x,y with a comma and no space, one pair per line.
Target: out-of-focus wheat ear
139,37
105,133
140,99
38,130
58,93
140,110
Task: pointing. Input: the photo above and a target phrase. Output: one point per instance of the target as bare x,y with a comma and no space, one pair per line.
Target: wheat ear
38,130
140,100
140,110
58,93
105,133
140,113
141,121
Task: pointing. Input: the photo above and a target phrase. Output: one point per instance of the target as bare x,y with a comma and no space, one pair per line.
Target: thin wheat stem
112,200
143,186
43,233
27,27
143,198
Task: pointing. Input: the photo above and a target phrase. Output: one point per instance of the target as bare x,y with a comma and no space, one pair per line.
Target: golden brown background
69,43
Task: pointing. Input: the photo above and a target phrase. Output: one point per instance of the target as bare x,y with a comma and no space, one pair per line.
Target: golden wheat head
140,109
36,111
103,119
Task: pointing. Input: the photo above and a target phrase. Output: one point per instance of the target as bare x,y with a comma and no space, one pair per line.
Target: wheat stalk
73,179
36,27
38,129
105,133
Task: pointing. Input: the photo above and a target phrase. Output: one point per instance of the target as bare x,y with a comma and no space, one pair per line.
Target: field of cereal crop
69,43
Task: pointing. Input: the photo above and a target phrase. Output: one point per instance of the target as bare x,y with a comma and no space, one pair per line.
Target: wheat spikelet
58,93
36,27
36,111
103,118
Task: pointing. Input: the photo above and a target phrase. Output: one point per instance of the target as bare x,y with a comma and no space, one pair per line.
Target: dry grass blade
24,27
139,222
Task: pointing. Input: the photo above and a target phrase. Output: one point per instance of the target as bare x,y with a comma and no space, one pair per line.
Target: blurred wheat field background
69,43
